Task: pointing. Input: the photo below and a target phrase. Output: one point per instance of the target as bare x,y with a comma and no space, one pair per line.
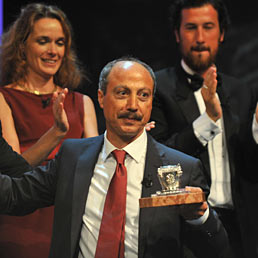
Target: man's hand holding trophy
172,194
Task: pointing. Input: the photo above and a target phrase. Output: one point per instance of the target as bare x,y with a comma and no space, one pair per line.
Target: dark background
105,30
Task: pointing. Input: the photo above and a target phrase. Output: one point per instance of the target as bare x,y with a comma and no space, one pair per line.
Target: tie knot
196,81
119,156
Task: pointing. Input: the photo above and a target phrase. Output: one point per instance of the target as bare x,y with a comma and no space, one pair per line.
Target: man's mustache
200,48
130,115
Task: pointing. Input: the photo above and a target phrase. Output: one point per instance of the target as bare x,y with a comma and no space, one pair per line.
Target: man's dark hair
175,12
103,78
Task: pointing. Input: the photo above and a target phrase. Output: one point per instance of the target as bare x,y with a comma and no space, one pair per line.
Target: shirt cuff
205,129
255,129
201,220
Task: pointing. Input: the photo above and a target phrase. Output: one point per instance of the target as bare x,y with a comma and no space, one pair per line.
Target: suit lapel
230,121
185,97
84,171
152,162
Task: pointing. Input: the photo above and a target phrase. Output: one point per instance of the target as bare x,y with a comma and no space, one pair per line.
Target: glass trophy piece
169,178
171,193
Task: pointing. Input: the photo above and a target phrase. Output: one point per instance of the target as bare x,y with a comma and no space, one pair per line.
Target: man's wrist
201,220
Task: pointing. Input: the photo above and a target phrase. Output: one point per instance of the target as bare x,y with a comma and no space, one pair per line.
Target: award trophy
171,193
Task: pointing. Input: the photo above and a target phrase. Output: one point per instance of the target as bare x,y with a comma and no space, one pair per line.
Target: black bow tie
196,81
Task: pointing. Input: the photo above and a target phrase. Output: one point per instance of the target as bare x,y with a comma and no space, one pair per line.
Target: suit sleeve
11,163
35,189
211,237
247,148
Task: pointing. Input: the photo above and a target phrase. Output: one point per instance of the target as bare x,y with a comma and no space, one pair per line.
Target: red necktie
112,230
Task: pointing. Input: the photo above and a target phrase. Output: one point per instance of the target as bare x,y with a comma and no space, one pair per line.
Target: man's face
127,103
199,37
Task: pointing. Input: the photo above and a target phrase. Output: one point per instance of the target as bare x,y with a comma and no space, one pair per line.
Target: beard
196,62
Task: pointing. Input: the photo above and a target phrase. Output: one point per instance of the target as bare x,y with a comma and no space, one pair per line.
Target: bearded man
207,114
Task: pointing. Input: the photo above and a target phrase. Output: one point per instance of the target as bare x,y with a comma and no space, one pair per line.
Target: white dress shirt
211,133
255,129
103,173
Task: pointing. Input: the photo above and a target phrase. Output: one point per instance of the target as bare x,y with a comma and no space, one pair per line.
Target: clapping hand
61,121
213,107
150,125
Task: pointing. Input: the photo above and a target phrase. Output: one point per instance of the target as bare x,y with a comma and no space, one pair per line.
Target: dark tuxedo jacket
251,151
65,182
175,109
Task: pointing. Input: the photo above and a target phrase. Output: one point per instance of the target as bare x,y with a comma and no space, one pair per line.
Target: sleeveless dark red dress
30,236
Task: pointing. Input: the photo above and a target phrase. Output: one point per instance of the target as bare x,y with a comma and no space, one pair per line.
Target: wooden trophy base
173,199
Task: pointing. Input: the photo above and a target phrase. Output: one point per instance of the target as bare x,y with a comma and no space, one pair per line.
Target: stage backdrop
104,30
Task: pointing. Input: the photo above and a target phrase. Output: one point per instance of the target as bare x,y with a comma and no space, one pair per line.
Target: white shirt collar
186,67
135,149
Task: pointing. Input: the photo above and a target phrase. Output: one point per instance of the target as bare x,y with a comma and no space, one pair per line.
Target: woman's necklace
44,101
36,92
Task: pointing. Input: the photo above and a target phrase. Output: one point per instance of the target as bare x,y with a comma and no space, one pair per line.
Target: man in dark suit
77,181
204,113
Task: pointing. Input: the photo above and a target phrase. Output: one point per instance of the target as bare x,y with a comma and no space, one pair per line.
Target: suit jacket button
209,233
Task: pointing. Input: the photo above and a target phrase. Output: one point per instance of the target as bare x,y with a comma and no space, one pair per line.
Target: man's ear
100,98
221,39
177,36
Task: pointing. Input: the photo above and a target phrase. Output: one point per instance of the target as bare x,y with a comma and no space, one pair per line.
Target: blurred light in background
1,16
